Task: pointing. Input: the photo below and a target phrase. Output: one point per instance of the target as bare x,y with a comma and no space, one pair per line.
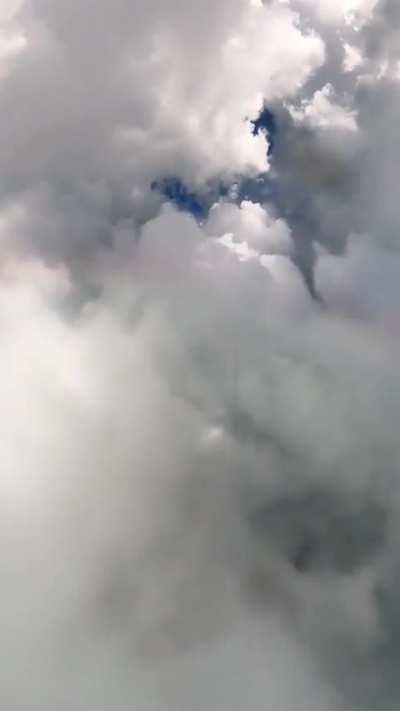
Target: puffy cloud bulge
199,439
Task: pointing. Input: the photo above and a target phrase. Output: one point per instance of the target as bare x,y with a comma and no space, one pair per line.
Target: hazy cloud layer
199,489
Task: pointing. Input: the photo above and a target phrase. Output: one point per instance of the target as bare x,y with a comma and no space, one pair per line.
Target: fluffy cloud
354,13
199,489
126,95
151,446
322,112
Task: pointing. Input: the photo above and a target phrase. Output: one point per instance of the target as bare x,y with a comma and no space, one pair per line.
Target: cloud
354,13
322,112
128,527
114,99
251,223
199,407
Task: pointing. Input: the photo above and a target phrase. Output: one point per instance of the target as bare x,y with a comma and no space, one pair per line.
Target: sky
200,338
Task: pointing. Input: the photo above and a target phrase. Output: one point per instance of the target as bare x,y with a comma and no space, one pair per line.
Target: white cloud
251,222
199,436
135,525
134,95
354,13
322,112
352,58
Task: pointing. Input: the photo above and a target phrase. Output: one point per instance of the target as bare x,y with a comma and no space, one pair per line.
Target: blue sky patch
175,191
266,123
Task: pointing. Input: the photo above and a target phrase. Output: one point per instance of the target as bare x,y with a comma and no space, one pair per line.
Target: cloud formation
199,488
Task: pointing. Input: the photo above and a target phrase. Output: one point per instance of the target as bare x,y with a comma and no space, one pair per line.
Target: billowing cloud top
199,388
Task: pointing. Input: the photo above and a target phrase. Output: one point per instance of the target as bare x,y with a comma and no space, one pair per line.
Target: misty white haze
200,341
